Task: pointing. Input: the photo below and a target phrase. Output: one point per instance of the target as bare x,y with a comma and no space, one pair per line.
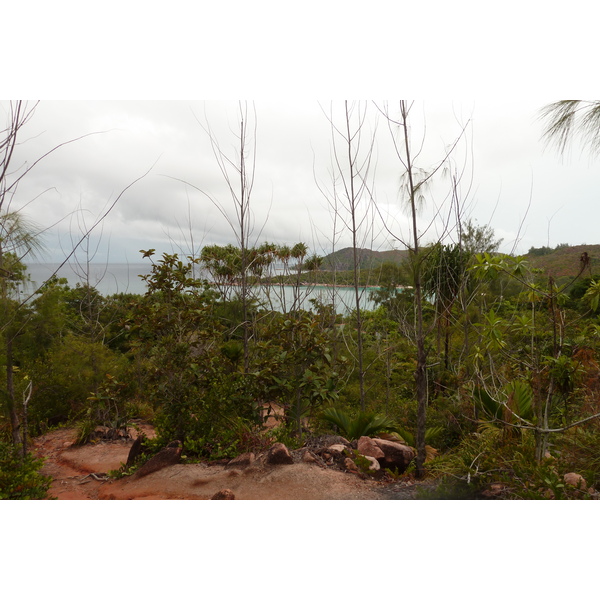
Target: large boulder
165,458
395,455
367,447
137,448
279,455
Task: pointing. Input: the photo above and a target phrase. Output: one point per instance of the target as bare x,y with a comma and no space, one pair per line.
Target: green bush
72,369
19,476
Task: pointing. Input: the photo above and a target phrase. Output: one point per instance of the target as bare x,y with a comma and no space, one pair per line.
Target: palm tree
567,119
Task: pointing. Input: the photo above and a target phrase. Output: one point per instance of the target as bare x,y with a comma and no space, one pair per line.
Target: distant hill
343,260
565,261
561,262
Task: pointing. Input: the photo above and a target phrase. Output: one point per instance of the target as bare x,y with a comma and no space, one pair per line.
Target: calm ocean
108,279
117,278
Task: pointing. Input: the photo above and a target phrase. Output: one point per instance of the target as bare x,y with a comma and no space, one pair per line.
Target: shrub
354,427
19,476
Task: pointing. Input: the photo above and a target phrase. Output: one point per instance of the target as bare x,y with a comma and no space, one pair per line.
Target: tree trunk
15,424
420,380
421,369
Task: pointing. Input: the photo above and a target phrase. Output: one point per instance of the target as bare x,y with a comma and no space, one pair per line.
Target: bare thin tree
238,170
413,191
353,153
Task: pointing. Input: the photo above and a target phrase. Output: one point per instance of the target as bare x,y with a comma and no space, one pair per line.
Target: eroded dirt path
71,466
78,473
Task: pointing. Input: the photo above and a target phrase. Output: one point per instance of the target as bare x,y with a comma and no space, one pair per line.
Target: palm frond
491,407
520,395
567,119
364,424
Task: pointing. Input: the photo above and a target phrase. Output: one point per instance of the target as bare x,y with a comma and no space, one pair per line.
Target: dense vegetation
511,363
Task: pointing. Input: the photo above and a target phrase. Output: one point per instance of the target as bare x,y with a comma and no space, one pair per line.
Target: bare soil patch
79,473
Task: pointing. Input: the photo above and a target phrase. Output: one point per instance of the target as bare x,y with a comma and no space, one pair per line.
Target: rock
241,461
279,455
109,433
136,449
165,458
575,480
337,448
225,494
350,465
327,457
367,447
494,491
395,455
374,466
309,457
332,452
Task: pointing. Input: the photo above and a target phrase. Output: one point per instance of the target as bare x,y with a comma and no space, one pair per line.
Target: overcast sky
525,191
285,60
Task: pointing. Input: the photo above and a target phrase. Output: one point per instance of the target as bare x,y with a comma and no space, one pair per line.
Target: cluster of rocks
373,454
104,433
365,457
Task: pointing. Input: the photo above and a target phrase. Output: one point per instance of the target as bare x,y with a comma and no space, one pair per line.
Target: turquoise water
116,278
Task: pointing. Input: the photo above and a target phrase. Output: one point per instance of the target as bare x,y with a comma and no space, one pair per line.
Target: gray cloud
513,177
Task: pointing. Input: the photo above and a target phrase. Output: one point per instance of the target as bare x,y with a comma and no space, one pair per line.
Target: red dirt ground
79,473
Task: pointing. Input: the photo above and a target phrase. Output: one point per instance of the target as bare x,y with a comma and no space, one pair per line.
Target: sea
118,278
108,279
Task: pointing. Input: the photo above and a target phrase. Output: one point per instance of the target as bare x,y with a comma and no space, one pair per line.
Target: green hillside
560,262
343,260
565,261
